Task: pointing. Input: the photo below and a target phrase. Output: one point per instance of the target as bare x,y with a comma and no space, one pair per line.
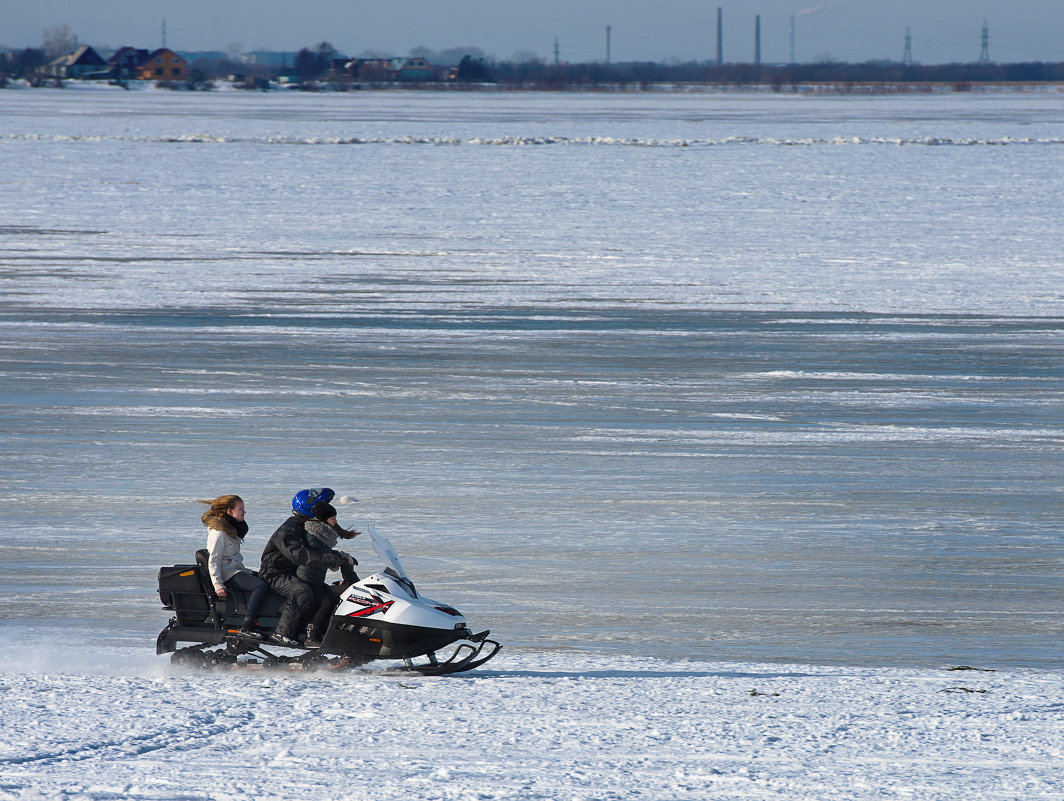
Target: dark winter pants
256,590
327,597
299,598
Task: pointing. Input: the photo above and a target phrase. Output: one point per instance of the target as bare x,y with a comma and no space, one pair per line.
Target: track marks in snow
54,720
185,737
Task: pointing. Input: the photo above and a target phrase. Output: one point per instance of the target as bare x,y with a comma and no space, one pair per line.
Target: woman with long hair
225,532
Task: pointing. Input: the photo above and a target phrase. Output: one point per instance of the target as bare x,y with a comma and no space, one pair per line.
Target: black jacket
288,549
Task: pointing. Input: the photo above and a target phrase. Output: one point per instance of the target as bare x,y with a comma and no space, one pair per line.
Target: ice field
684,396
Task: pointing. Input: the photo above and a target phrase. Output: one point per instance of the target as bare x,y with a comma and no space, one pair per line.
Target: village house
413,69
82,62
368,69
162,65
125,62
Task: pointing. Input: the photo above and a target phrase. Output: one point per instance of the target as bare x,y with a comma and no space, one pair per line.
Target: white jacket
224,560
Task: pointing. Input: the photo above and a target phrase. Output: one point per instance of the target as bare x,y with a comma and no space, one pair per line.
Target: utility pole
907,56
984,53
557,59
609,30
720,36
757,38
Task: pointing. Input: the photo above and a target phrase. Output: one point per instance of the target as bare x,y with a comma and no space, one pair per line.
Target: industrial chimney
757,39
720,36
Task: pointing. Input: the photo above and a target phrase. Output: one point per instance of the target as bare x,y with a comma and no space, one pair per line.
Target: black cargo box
180,589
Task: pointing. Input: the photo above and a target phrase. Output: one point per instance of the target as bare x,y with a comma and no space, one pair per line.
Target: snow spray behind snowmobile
382,616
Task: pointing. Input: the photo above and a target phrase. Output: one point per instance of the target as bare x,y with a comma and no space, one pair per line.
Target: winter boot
249,630
280,639
313,639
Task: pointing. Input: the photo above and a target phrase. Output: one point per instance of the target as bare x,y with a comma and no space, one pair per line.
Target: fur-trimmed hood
220,521
321,531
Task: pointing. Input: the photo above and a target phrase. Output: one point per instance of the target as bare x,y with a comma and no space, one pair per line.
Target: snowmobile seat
236,601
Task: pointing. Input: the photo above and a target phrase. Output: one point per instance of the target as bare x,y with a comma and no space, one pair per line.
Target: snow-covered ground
536,725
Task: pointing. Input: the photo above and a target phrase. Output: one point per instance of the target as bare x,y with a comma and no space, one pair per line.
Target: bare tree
59,40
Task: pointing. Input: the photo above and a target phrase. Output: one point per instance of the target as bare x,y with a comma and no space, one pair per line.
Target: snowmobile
382,616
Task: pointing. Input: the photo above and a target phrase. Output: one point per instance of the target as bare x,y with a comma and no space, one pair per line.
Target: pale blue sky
845,30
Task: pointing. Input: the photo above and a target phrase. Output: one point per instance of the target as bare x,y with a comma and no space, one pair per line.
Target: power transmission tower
557,51
609,30
984,53
907,57
164,31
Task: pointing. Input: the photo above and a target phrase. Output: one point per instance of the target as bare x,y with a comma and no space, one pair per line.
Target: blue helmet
303,502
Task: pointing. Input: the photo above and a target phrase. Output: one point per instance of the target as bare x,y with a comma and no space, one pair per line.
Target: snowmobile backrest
202,555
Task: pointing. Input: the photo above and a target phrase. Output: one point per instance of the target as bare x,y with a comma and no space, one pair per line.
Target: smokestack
720,36
757,39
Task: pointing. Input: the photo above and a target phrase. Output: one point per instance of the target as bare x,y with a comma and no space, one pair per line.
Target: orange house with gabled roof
162,65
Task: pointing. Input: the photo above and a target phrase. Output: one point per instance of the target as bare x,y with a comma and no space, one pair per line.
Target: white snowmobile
381,616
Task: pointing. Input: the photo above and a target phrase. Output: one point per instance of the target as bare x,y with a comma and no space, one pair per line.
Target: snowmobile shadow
631,674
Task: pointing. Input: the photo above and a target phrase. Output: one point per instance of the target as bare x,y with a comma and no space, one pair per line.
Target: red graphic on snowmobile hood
371,605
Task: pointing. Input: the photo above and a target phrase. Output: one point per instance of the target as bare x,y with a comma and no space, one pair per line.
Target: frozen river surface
729,377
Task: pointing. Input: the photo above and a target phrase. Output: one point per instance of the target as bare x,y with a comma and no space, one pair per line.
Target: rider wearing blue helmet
304,501
286,551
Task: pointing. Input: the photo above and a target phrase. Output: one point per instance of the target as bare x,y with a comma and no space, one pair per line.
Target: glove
348,559
332,560
348,573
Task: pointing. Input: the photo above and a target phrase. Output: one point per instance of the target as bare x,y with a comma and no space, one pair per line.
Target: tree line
546,75
320,63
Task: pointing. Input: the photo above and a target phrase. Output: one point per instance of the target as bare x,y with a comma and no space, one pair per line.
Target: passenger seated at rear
226,530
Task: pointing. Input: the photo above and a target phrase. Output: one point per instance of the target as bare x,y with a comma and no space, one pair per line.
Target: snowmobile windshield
390,558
